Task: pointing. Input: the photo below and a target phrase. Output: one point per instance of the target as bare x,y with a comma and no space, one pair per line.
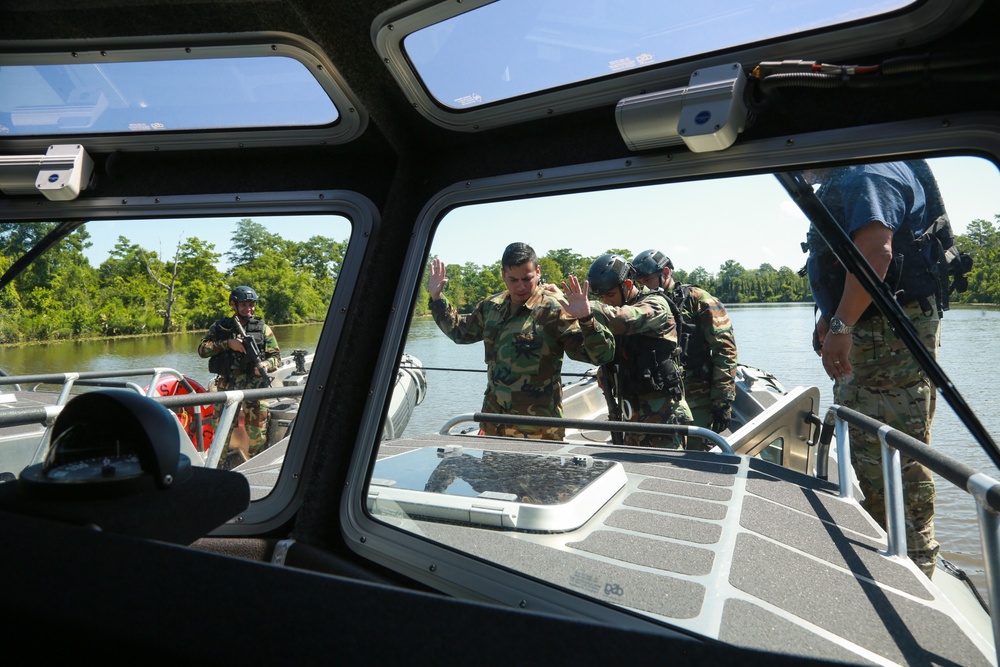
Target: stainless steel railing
46,415
983,488
586,424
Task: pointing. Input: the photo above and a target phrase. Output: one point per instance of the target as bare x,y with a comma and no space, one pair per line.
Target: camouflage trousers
698,395
529,432
887,384
255,419
657,409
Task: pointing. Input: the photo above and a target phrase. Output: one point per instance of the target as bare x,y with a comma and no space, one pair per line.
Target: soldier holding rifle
242,351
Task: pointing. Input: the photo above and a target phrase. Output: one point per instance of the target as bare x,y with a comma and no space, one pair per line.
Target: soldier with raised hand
648,375
706,339
224,347
525,332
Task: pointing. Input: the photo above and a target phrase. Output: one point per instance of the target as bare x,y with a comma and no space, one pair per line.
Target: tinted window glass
741,240
163,95
517,47
129,303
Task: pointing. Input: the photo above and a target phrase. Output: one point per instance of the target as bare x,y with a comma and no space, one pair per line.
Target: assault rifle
256,357
609,385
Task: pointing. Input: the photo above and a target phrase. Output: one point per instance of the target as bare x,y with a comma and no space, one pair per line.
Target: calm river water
778,338
772,337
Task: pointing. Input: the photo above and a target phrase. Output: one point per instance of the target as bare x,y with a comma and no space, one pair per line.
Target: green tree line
982,242
469,283
61,296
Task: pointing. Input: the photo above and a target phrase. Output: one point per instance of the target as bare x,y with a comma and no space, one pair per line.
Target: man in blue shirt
883,207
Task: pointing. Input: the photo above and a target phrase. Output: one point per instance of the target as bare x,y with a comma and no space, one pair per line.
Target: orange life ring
170,386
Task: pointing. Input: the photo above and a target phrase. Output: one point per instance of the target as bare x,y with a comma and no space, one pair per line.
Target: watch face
837,326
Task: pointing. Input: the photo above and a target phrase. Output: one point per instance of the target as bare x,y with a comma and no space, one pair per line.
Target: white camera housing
60,175
706,116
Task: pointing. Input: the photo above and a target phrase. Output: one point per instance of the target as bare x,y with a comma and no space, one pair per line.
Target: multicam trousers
887,384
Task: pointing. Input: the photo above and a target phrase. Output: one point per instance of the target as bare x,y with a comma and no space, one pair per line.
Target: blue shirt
856,196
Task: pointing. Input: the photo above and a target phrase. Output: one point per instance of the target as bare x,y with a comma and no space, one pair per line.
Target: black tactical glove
722,413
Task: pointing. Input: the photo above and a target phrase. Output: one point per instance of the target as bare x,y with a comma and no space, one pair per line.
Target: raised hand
436,281
577,303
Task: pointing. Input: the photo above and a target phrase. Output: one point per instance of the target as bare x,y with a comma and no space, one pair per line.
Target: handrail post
68,380
989,535
233,398
892,478
844,470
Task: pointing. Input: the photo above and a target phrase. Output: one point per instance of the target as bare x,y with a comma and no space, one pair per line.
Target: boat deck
732,548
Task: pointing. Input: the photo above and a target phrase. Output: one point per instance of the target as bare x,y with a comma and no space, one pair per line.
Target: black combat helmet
608,272
243,293
651,261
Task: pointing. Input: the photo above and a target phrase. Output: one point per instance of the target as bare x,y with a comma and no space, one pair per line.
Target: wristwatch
837,326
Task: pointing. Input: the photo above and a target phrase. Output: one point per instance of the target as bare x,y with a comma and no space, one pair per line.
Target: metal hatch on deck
526,492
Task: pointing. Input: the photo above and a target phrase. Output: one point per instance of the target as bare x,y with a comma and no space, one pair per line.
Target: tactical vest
693,349
646,364
920,267
227,361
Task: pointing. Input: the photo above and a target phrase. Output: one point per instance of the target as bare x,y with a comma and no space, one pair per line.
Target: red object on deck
171,386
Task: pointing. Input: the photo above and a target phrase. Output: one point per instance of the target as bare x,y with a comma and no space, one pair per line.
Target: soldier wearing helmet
706,341
227,356
525,331
645,369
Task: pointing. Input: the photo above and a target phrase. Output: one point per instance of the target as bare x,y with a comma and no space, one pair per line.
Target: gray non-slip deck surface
736,549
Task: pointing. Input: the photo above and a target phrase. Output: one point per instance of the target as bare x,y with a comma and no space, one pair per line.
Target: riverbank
188,332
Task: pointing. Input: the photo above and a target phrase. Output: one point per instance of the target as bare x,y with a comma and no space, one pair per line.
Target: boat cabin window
503,50
126,304
158,96
262,90
742,240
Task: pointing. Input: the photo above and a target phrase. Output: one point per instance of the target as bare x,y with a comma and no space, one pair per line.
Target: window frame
466,576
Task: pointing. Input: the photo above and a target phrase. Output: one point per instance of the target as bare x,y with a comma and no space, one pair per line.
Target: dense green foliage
135,290
982,242
470,283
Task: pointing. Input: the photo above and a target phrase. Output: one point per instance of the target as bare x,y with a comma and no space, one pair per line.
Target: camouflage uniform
648,315
887,384
710,369
524,348
241,375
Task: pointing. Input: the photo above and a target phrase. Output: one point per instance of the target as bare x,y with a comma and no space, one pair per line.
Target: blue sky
748,219
164,235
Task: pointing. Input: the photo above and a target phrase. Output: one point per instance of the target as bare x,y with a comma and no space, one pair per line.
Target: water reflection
177,351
